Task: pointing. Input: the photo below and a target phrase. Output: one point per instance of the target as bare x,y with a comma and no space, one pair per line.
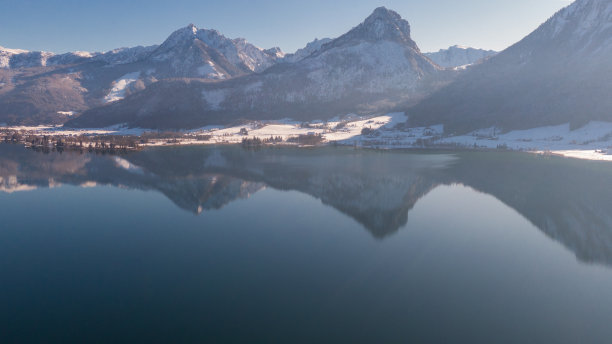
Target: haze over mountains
560,73
459,56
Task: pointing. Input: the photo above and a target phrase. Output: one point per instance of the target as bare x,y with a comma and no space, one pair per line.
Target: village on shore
592,142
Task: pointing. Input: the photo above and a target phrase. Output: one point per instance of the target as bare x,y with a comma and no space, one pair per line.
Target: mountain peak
382,25
384,13
186,33
581,18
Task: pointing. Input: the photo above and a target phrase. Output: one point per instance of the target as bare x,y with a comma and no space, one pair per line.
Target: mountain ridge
548,78
459,56
373,67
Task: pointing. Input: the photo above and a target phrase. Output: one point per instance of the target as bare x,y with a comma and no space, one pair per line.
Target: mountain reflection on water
568,200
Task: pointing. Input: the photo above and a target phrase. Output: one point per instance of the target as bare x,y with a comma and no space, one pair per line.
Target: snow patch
119,87
11,184
66,113
126,165
210,72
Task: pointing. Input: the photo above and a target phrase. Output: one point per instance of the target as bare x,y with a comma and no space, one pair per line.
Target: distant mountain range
41,87
374,67
558,74
198,77
459,56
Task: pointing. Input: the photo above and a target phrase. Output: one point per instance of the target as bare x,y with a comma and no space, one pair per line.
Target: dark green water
223,245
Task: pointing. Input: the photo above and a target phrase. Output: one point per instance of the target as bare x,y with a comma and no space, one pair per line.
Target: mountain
374,67
17,58
46,88
558,74
308,50
193,52
459,56
185,51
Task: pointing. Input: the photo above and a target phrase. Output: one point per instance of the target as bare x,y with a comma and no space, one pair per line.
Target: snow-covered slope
119,87
41,87
459,56
308,50
190,48
124,55
7,54
373,67
185,51
560,73
17,58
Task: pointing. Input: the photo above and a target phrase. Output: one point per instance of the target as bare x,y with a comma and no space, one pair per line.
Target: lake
288,245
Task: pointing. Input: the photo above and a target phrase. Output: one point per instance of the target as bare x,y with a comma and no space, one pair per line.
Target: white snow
11,184
593,141
66,113
84,54
350,128
89,184
13,51
334,72
126,165
210,72
120,85
593,136
598,155
119,129
308,50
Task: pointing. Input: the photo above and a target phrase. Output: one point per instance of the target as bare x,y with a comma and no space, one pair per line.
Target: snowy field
593,141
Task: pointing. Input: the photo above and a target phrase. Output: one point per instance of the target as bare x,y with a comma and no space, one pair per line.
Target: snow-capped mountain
7,54
459,56
124,55
308,50
193,52
43,87
185,50
374,67
17,58
558,74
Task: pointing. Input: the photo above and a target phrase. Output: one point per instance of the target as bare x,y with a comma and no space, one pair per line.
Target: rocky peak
382,25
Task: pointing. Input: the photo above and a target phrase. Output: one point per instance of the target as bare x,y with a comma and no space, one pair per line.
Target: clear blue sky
68,25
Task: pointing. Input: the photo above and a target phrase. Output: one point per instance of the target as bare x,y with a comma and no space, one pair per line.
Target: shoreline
381,132
588,155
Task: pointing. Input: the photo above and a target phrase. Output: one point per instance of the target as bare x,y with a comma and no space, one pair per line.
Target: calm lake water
333,245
